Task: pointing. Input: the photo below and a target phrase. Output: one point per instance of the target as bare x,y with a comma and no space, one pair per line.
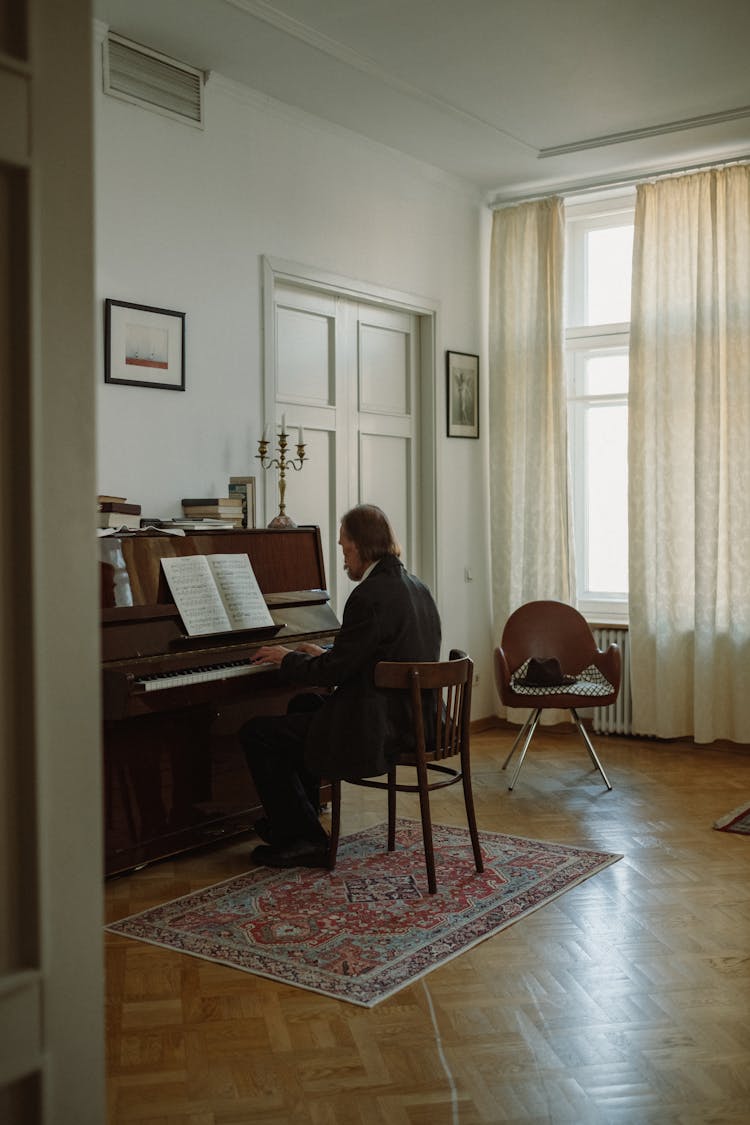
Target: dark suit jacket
359,729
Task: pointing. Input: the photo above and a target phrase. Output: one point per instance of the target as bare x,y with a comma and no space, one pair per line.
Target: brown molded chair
451,680
547,629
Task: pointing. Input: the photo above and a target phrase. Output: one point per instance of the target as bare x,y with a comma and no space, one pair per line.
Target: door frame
427,310
51,977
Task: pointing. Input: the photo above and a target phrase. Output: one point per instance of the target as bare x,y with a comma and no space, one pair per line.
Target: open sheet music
216,593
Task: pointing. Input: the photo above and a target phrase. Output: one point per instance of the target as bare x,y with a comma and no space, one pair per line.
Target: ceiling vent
142,76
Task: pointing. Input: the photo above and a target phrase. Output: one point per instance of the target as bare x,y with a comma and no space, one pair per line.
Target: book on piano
216,593
118,519
200,524
120,506
222,507
212,502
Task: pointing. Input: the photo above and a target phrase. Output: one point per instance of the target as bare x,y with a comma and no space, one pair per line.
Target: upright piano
173,705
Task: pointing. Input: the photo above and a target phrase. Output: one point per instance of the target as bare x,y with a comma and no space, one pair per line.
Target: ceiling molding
649,131
498,200
311,122
262,10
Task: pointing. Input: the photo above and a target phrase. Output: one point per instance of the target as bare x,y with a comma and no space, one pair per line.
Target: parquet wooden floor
627,1000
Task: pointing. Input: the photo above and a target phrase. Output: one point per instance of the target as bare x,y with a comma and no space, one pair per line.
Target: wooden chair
451,682
548,629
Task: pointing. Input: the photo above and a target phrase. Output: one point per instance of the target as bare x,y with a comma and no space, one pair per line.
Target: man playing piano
357,730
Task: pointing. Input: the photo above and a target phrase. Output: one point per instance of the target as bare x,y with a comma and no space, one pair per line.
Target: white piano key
200,675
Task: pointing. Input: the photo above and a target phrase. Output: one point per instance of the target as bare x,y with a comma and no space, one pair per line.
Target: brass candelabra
282,463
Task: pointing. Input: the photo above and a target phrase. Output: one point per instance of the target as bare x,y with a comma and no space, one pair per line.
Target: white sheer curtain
689,458
531,534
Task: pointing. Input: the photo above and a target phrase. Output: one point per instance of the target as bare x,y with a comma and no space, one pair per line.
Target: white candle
301,437
265,433
283,423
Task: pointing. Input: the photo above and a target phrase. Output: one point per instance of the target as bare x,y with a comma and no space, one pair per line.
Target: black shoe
297,853
262,828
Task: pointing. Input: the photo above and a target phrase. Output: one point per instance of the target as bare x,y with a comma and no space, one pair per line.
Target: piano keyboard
160,680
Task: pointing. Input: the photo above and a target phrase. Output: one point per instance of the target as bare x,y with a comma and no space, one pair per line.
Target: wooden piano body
175,774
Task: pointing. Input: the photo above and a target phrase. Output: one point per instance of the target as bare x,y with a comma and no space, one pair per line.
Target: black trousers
274,747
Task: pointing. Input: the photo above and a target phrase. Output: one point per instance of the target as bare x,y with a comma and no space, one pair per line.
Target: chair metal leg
532,723
589,746
518,738
333,843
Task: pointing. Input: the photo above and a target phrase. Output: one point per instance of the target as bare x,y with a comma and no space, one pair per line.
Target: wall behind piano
183,218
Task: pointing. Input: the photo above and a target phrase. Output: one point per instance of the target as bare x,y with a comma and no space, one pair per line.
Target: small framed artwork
462,379
143,346
244,487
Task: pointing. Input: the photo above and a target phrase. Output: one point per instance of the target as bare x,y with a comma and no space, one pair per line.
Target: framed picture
244,487
462,379
143,346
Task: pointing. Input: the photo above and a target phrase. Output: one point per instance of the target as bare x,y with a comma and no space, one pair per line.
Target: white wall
183,218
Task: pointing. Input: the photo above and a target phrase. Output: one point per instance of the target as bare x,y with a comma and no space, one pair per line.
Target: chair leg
424,805
470,813
518,738
333,844
589,746
532,723
392,809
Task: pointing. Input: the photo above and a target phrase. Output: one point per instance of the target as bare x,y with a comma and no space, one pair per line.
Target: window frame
584,340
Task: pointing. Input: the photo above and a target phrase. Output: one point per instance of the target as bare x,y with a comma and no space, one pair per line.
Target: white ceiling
481,88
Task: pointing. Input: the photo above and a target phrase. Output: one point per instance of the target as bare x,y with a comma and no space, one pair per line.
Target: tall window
599,243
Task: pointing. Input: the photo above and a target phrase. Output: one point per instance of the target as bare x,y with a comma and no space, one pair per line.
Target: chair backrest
450,681
548,628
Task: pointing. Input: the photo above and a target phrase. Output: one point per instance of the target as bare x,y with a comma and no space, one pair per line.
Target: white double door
347,371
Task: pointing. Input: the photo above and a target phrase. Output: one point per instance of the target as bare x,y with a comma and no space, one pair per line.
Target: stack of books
114,511
180,526
227,509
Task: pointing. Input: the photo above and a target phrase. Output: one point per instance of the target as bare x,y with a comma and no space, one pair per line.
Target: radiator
617,718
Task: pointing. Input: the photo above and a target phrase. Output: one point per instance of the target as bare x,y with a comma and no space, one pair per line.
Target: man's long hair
369,527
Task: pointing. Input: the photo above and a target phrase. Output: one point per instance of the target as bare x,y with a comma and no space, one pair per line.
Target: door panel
387,419
305,352
385,368
385,477
308,494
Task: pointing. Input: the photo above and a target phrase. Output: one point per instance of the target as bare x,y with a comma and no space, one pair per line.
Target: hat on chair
545,671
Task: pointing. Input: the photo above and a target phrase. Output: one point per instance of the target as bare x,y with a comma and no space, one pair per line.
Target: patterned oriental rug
736,821
367,929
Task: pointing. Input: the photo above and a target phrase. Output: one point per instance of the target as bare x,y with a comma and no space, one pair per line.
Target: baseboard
487,723
494,722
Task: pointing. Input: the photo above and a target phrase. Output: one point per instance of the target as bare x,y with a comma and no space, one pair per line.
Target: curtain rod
590,186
